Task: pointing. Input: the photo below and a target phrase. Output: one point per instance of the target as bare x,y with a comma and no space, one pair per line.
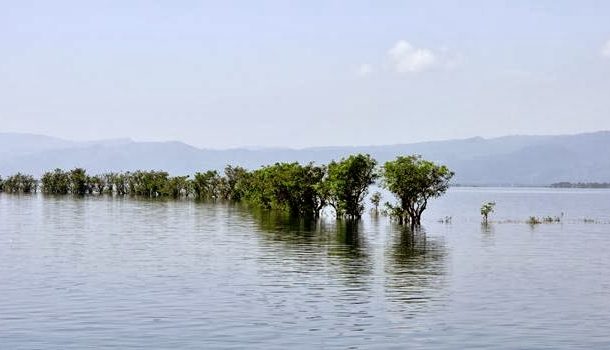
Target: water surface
119,273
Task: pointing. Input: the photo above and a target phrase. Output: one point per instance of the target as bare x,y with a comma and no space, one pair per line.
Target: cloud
364,70
606,49
405,58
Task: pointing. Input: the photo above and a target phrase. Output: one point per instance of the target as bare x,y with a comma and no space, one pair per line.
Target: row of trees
303,190
19,183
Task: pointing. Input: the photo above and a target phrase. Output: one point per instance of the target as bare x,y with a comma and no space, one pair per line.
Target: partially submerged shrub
375,200
549,219
486,209
533,220
445,220
20,183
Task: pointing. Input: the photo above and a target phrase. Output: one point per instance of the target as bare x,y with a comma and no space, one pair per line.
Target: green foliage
236,184
302,190
20,183
176,186
116,182
486,209
393,211
97,184
1,184
551,219
56,182
375,200
414,181
348,182
148,183
581,185
79,181
288,186
533,220
207,185
75,181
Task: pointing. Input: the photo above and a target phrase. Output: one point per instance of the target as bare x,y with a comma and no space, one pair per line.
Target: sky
220,74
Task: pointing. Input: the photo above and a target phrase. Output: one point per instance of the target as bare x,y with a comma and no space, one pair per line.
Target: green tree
375,200
148,183
79,181
486,209
98,184
207,185
176,186
348,183
56,182
116,183
288,186
236,184
414,181
20,183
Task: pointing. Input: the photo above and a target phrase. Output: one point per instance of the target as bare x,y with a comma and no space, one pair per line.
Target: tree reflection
351,251
415,267
487,233
282,227
339,245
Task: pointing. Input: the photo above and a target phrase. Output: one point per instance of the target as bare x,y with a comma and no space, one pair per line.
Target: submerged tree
302,190
414,181
348,182
236,183
207,185
147,183
176,186
55,182
375,200
79,181
97,184
288,186
20,183
486,209
116,182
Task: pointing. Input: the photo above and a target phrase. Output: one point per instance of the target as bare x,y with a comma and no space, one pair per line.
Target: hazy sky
309,73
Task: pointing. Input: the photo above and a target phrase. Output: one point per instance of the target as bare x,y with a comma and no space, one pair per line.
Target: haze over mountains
509,160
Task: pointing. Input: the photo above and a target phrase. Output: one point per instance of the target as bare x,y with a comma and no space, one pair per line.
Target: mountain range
508,160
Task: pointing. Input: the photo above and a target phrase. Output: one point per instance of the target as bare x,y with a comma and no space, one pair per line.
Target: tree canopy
348,182
301,190
486,209
414,181
207,185
20,183
56,182
288,186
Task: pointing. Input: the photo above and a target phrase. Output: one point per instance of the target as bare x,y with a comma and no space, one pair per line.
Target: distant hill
509,160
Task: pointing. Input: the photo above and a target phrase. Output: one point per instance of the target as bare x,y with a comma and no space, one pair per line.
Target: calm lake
122,273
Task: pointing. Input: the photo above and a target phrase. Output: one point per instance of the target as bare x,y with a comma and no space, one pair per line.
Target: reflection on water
414,269
354,254
488,231
339,245
103,272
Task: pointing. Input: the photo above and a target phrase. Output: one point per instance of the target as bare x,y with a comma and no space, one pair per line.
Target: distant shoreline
560,185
